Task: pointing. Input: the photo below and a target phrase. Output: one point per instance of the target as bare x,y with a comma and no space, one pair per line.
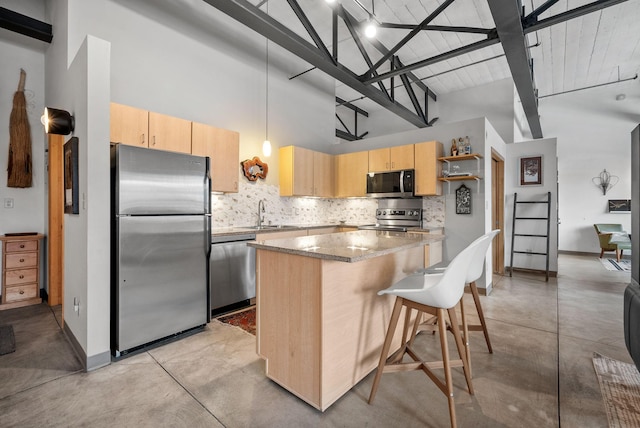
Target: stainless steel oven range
397,215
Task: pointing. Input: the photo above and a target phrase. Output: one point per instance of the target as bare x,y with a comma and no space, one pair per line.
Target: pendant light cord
266,107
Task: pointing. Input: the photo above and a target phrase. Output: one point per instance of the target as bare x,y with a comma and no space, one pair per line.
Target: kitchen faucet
260,211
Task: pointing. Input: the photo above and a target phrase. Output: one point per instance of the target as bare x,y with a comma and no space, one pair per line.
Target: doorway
55,241
497,210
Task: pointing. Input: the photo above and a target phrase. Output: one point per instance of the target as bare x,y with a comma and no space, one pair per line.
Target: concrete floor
540,374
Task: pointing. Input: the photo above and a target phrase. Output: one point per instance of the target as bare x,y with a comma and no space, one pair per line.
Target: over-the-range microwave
392,184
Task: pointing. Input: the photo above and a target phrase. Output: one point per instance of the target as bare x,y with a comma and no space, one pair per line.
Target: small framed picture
531,170
619,205
71,188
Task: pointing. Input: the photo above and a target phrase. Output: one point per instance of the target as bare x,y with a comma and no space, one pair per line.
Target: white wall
193,62
29,210
593,132
496,101
547,149
81,86
493,101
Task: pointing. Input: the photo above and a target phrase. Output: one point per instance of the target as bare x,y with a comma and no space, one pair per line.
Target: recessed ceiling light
620,97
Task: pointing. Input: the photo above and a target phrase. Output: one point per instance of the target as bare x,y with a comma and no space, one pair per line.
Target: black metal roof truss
25,25
347,134
511,28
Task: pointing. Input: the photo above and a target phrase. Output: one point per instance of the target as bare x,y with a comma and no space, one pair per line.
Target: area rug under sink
620,387
245,319
612,264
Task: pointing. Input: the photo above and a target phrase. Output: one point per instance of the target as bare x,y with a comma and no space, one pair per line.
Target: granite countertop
230,231
349,246
239,230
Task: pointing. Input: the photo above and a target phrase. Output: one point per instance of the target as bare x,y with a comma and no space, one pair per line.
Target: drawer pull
21,245
21,260
21,291
21,276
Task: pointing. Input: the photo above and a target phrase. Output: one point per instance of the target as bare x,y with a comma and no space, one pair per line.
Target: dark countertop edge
433,237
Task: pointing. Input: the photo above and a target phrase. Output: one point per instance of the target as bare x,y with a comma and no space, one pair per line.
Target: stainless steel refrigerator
160,246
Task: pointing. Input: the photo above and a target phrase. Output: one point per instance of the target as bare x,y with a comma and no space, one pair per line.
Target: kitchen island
320,322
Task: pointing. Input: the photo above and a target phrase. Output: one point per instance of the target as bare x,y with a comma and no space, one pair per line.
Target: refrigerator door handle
207,226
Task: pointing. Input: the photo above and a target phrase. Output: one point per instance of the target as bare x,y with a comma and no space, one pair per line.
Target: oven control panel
398,214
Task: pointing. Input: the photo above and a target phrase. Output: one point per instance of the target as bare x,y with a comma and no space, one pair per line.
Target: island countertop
349,246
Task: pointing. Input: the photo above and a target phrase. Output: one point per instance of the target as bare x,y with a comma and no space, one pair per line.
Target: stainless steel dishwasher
232,271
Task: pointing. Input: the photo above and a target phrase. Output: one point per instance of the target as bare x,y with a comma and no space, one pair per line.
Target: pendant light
371,28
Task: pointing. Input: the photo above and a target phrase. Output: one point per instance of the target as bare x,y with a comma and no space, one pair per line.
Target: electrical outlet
8,202
76,305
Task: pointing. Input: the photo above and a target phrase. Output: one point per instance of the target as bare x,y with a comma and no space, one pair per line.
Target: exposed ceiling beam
473,30
25,25
384,50
506,15
307,26
341,102
409,36
349,23
531,23
492,40
250,16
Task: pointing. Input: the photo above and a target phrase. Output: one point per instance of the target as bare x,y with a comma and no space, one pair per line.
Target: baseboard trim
552,274
89,363
608,255
481,290
76,346
99,360
578,253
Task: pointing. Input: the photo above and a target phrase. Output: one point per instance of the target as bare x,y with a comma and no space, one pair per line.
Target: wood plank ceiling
592,49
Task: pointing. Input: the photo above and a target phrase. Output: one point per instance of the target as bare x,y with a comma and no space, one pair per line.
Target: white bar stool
473,274
434,294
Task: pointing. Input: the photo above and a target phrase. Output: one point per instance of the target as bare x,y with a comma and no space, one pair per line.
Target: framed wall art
619,205
463,200
531,171
71,202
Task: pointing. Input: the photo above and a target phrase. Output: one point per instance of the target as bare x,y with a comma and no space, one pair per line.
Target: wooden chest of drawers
20,270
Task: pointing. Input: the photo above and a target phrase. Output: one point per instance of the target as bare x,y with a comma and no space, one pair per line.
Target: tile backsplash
241,209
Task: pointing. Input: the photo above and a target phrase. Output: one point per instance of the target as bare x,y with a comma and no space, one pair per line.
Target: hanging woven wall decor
19,166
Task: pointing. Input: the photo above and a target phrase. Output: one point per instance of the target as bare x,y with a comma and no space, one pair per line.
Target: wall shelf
470,156
450,159
460,178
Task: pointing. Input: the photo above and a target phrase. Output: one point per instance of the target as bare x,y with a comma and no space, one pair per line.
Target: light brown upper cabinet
296,171
391,158
129,125
428,168
169,133
303,172
352,169
324,172
223,148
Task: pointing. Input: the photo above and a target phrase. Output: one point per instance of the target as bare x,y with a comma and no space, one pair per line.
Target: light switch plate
8,202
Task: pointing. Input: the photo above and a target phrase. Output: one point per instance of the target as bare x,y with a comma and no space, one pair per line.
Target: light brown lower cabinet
321,324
